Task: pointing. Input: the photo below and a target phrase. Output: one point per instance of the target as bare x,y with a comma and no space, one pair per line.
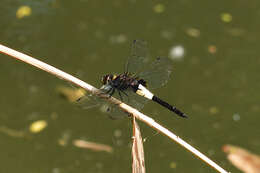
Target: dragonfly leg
126,67
119,93
112,92
124,93
108,91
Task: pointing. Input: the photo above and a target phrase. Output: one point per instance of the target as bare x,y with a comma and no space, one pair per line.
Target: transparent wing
113,111
135,100
128,97
131,99
88,101
138,58
91,101
157,73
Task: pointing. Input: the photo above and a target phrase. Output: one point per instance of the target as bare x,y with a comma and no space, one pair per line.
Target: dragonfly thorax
122,81
107,78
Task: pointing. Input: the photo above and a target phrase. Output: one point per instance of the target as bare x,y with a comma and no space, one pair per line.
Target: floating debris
38,126
159,8
226,17
118,133
236,32
33,89
213,110
65,138
56,170
166,34
173,165
71,94
193,32
23,11
177,52
54,115
92,145
242,159
12,132
212,49
216,125
118,39
236,117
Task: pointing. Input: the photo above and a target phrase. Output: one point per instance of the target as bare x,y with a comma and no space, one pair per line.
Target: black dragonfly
131,86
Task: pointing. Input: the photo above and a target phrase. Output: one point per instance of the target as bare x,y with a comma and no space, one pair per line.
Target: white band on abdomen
142,91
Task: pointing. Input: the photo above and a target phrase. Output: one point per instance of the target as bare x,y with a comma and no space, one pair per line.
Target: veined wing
89,101
128,97
138,58
135,100
157,73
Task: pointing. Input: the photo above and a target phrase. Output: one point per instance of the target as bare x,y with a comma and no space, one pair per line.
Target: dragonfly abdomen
168,106
142,91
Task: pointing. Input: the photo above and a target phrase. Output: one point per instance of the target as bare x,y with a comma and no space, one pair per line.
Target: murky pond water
215,51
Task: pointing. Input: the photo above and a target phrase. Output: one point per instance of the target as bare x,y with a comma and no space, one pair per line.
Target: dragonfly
131,86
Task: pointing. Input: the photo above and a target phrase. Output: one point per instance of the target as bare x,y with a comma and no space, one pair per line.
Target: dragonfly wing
138,58
135,100
113,111
88,101
128,97
157,73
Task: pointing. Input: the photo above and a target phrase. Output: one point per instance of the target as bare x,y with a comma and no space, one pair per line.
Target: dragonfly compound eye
104,79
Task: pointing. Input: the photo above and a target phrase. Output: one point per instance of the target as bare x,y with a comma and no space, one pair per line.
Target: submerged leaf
92,145
38,126
23,11
12,132
242,159
71,94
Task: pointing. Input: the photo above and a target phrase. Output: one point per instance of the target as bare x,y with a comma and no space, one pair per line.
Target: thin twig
65,76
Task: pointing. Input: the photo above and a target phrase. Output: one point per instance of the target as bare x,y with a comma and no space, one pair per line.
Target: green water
216,82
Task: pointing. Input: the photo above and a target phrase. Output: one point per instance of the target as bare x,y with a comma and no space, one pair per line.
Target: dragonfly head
107,78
